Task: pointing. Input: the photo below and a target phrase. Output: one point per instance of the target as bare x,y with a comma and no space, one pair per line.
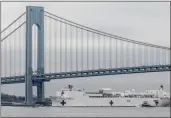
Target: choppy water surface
82,111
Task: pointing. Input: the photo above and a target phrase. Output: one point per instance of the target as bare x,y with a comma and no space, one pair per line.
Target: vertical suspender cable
20,44
116,49
71,48
5,56
14,49
128,54
93,51
138,55
55,51
60,46
120,54
76,49
145,56
82,60
110,52
133,55
87,50
66,43
150,55
34,54
98,39
50,45
123,44
154,55
14,58
159,56
156,61
104,53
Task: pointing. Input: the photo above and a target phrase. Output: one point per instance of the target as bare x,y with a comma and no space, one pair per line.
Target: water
88,111
140,82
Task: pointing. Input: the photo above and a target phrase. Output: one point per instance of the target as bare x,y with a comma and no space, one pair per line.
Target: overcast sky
147,22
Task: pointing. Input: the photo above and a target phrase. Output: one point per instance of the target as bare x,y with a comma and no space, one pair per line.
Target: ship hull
105,97
102,102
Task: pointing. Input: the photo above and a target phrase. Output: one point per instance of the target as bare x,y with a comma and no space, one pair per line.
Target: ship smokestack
70,87
161,87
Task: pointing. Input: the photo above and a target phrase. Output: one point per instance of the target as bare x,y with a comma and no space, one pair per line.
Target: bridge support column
40,92
34,15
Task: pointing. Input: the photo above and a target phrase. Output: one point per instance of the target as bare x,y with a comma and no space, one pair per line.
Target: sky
146,22
137,21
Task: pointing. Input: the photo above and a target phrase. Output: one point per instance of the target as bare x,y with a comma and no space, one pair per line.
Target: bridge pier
34,15
28,89
40,92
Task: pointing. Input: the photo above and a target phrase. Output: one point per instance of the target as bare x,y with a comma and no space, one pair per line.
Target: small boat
146,104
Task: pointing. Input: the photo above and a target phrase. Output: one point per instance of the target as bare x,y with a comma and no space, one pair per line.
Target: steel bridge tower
34,16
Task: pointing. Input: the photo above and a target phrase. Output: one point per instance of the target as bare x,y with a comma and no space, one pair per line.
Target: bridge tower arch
34,16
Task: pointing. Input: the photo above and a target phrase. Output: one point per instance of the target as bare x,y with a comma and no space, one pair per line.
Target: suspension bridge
39,46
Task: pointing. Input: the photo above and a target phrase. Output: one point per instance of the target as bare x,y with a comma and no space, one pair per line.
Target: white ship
69,96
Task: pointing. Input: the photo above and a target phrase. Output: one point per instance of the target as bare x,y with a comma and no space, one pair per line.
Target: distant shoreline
12,100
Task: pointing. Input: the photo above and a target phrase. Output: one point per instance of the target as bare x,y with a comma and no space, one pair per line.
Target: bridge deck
87,73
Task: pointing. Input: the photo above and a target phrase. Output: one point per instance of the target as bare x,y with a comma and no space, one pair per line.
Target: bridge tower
34,15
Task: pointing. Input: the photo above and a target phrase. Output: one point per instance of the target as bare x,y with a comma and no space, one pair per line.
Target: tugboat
146,104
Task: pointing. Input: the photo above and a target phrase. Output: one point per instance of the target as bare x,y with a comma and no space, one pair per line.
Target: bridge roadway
87,73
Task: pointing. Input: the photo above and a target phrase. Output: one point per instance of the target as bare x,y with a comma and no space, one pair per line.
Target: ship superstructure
69,96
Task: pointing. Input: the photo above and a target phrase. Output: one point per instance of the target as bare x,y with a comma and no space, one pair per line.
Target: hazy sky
147,22
138,21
